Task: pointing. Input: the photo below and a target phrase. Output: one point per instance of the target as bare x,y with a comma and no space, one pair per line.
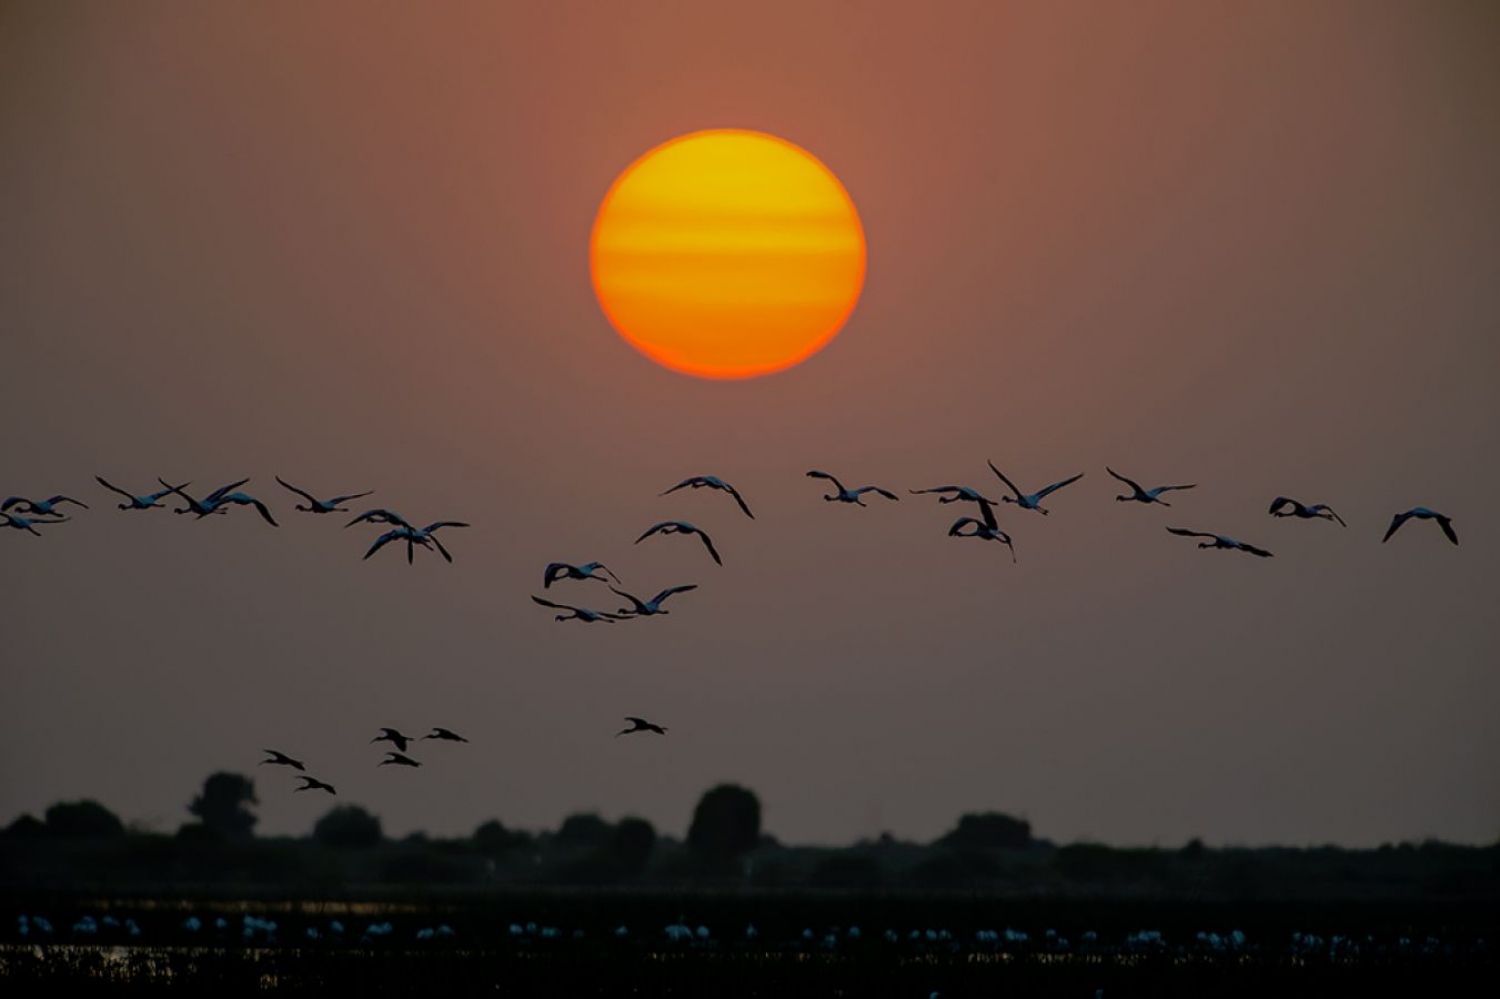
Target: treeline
82,845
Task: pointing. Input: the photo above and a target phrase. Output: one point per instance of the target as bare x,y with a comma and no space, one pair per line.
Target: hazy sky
1251,246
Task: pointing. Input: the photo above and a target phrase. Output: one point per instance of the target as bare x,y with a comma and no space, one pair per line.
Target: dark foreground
602,944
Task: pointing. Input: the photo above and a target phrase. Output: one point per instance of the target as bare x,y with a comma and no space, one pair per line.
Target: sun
727,254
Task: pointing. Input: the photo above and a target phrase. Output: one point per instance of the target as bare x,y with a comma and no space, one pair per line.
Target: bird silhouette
39,508
282,759
394,737
1031,501
397,760
245,499
413,536
566,570
140,502
313,784
652,606
380,515
1219,541
959,493
445,734
1140,495
682,527
845,495
987,529
208,505
1421,513
315,505
579,613
712,482
640,725
21,523
1320,510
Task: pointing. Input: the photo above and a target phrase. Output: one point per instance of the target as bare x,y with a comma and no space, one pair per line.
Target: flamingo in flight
640,725
1220,541
209,504
394,737
682,527
565,570
987,529
1031,501
404,531
959,493
445,734
1139,495
140,502
315,505
282,759
580,613
652,606
845,495
21,523
39,508
1421,513
313,784
1282,506
397,760
712,482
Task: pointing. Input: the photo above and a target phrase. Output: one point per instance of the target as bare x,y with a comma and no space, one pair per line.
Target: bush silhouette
494,839
348,827
82,820
222,805
26,827
988,831
726,823
583,831
634,839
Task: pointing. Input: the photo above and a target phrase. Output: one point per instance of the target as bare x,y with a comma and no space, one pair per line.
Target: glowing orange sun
727,254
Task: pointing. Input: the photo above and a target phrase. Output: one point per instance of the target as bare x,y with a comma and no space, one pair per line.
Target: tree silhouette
494,839
26,827
222,805
82,819
726,823
979,831
584,831
348,827
634,840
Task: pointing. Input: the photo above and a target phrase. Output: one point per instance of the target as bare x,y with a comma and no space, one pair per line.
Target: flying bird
140,502
1220,541
313,784
987,529
282,759
1140,495
380,515
640,725
445,734
1031,501
682,527
315,505
39,508
850,495
413,536
394,737
712,482
209,504
1421,513
652,606
245,499
959,493
21,523
1320,510
397,759
579,613
565,570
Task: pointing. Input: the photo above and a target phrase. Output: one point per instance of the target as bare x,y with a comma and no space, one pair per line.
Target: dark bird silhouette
579,613
379,515
398,760
1220,541
209,504
712,482
565,570
140,502
21,523
39,508
987,529
845,495
313,784
1140,495
1421,513
652,606
640,725
959,493
1031,501
282,759
1320,510
445,734
315,505
413,536
682,527
245,499
394,737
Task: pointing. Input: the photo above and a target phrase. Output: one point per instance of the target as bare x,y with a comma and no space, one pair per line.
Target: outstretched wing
1331,512
1254,550
876,489
989,515
442,523
379,515
937,489
300,492
691,481
664,594
335,501
1396,522
1129,482
640,608
219,492
1447,525
824,475
655,528
554,572
1189,534
1167,489
11,501
1058,485
260,508
738,499
1279,502
1010,484
709,544
116,489
554,606
382,541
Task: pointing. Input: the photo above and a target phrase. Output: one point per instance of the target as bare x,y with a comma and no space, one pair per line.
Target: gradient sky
1252,246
